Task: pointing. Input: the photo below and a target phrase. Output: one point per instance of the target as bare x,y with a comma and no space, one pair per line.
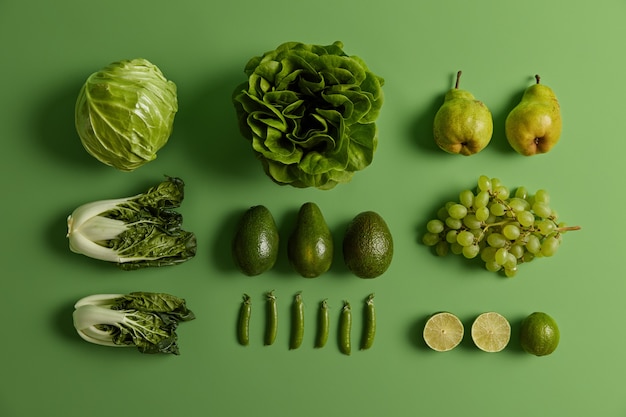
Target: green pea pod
297,325
345,327
323,325
243,325
272,319
369,324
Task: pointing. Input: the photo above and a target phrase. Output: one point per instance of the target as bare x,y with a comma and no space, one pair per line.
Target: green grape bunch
503,229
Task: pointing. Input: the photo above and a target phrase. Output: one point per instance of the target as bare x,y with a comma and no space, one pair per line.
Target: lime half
491,332
443,332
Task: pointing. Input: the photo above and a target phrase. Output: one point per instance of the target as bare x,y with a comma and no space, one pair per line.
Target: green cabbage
125,113
309,112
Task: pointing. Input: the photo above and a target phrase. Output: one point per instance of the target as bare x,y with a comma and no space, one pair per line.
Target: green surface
50,48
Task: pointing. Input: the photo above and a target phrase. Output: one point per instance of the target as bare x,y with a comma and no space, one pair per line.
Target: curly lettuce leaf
309,112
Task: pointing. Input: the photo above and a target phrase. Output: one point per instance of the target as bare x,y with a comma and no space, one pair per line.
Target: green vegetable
297,324
125,113
272,319
309,112
145,320
243,324
345,328
369,325
323,325
134,232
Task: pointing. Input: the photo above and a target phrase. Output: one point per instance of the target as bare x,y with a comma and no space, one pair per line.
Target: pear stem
538,78
458,77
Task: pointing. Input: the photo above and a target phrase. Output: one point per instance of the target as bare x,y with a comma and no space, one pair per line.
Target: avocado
255,244
367,245
310,245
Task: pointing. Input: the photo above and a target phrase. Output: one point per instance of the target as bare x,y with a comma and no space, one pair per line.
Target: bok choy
144,320
134,232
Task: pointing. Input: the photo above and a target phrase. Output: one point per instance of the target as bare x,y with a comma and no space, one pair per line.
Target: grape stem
509,210
504,222
488,225
567,228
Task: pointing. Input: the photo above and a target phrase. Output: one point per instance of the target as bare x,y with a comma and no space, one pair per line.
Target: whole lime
539,334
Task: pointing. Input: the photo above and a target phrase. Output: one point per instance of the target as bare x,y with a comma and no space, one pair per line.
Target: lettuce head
309,112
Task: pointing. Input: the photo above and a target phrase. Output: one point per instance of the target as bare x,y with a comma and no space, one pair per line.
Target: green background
49,49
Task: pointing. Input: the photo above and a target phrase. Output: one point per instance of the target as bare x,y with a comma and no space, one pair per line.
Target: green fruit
539,334
534,125
367,245
491,332
310,245
255,245
443,331
463,125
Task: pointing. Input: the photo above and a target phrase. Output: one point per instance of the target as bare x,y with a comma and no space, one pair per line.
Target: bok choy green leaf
134,232
144,320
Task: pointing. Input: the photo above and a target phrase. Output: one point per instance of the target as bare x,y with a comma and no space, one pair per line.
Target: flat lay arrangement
253,209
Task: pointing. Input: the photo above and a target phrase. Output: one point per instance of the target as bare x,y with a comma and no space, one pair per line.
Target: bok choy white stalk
134,232
145,320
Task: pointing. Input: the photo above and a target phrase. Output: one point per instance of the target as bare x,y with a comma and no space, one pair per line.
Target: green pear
534,125
463,125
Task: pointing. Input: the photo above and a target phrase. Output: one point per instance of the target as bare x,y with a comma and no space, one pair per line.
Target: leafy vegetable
145,320
125,113
134,232
310,112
